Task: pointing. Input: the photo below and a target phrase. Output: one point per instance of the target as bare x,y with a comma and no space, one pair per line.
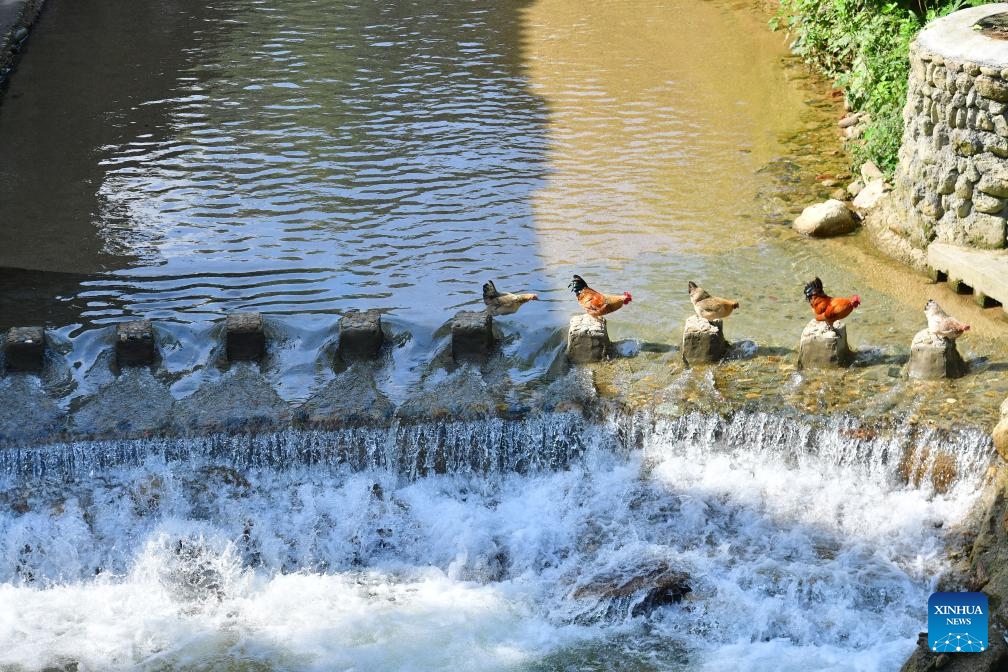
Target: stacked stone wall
951,184
953,173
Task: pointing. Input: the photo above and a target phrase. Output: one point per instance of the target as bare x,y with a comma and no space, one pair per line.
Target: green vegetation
863,46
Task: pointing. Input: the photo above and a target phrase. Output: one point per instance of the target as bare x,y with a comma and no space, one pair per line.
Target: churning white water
802,547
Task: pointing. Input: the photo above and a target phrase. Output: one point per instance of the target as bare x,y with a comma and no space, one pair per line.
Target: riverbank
16,20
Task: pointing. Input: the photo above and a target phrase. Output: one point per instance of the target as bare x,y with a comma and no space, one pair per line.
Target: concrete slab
135,343
245,337
954,37
984,271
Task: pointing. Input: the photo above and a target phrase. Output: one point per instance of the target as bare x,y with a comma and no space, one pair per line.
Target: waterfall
754,540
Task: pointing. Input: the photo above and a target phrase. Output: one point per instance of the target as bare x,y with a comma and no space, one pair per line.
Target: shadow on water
301,160
279,160
82,87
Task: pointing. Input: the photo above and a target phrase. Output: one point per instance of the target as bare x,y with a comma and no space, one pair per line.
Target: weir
546,442
551,539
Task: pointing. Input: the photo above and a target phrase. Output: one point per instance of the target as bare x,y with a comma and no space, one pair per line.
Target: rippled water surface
306,157
177,161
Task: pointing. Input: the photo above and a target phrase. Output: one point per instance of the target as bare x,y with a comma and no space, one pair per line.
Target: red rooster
595,303
827,308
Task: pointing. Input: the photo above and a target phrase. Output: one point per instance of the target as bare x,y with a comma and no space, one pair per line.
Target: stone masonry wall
951,184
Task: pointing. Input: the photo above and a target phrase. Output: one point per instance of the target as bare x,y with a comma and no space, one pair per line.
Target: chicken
595,303
710,307
827,308
504,303
942,324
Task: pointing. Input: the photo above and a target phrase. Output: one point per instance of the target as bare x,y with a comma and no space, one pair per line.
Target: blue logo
957,622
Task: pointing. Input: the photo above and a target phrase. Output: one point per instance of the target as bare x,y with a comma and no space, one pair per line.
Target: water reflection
385,161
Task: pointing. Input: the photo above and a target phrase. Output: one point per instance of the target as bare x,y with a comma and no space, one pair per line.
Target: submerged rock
190,572
133,404
638,590
352,398
463,395
27,413
242,400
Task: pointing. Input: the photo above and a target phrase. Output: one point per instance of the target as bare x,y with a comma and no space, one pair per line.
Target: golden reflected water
660,114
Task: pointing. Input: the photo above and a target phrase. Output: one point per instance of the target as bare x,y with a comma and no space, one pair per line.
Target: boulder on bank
870,172
822,220
994,659
1000,434
868,197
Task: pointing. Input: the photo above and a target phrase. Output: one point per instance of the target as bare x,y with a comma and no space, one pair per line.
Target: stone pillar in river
245,338
135,343
823,346
471,336
24,348
933,357
587,340
703,341
360,335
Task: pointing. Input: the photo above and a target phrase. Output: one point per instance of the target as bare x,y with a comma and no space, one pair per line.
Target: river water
303,159
177,161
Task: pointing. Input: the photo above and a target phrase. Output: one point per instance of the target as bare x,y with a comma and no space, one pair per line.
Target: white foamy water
804,550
